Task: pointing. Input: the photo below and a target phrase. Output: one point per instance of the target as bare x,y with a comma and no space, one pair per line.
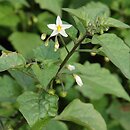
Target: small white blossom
71,67
59,27
78,80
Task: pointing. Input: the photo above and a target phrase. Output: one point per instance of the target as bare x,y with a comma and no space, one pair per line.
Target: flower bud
46,42
78,80
106,59
93,53
51,91
56,46
34,18
63,94
43,36
71,67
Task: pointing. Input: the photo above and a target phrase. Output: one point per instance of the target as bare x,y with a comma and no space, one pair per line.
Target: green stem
77,43
62,40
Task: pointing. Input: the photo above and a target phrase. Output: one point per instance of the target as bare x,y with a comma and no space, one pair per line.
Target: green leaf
11,60
126,35
57,125
25,42
2,48
111,22
45,75
80,26
23,78
90,11
44,19
95,84
40,124
35,107
9,89
18,3
8,16
44,53
120,113
51,5
63,53
72,32
47,124
116,50
83,114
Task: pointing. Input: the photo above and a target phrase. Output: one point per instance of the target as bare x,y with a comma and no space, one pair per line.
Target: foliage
81,82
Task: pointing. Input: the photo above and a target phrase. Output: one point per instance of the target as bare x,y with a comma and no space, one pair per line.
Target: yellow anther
59,28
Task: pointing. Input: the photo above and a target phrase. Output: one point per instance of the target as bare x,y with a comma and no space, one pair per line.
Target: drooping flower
78,80
70,67
59,28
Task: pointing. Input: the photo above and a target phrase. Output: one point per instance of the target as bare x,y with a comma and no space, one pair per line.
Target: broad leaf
8,15
94,10
9,89
44,53
116,50
18,3
111,22
25,42
80,26
99,81
126,35
40,124
23,78
57,125
11,60
83,114
51,5
120,113
90,11
44,75
47,124
42,106
72,32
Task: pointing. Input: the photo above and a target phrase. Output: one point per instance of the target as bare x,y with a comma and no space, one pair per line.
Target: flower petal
66,26
58,21
54,33
52,26
63,33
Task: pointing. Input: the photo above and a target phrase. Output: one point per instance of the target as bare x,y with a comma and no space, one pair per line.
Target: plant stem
62,40
77,43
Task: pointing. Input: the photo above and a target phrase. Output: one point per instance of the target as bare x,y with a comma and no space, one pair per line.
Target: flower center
59,28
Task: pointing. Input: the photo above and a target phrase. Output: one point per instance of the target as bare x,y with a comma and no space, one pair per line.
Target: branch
77,43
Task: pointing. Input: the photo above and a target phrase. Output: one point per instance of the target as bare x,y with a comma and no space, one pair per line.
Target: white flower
78,80
59,27
71,67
